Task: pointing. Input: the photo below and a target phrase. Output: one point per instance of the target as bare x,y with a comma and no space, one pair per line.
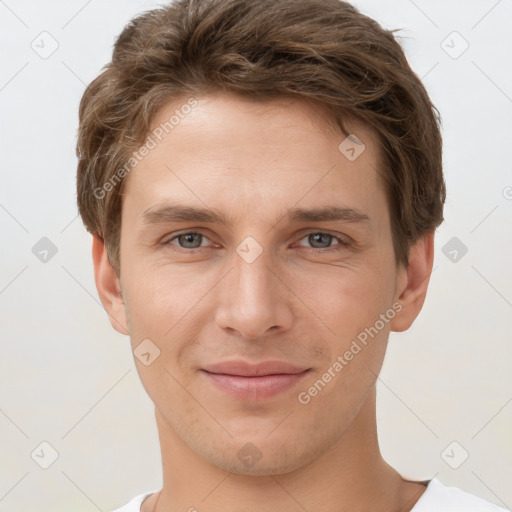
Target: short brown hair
324,51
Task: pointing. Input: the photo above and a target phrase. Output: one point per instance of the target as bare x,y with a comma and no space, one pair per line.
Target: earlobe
108,286
413,282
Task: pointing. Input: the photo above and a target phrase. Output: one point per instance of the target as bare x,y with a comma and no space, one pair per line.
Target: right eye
189,240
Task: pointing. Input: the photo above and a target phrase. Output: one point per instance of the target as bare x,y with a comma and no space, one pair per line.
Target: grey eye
320,240
190,240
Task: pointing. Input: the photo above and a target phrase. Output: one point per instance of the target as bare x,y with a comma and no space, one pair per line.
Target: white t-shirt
436,498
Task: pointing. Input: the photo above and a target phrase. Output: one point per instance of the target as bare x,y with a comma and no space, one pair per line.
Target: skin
254,161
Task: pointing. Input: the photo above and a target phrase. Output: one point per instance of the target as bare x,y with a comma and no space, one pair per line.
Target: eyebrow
177,213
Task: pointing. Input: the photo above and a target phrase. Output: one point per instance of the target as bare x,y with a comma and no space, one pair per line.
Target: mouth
254,381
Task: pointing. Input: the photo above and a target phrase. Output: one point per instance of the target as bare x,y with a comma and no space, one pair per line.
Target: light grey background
68,379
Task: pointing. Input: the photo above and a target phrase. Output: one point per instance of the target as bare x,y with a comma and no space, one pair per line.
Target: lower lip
254,388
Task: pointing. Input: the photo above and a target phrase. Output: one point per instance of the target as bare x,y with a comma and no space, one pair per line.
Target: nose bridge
255,300
253,278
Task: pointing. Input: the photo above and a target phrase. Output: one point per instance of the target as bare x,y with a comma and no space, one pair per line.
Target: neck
350,475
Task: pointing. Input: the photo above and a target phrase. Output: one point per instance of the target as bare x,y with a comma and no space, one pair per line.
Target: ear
108,286
412,282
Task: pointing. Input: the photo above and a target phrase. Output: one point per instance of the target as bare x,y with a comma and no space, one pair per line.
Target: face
251,245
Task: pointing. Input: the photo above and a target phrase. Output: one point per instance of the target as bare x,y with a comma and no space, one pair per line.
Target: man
263,181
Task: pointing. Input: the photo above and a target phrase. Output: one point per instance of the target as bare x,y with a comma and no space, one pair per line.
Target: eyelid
343,240
167,240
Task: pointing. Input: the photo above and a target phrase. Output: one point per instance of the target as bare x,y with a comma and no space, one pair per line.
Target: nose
253,301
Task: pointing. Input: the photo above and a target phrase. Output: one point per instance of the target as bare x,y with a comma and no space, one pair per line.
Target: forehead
228,150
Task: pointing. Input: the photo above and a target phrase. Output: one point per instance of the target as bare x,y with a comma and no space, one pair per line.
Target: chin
260,457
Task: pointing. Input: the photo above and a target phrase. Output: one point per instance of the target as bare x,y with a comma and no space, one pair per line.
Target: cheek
170,310
159,295
346,300
351,306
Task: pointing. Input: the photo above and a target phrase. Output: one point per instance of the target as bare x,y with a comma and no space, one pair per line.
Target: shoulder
135,503
442,498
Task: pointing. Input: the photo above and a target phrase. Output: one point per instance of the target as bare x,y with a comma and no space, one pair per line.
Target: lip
244,369
254,381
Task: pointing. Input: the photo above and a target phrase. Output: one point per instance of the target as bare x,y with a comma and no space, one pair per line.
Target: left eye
322,240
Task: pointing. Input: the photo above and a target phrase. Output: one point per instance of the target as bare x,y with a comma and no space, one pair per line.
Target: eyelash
342,243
